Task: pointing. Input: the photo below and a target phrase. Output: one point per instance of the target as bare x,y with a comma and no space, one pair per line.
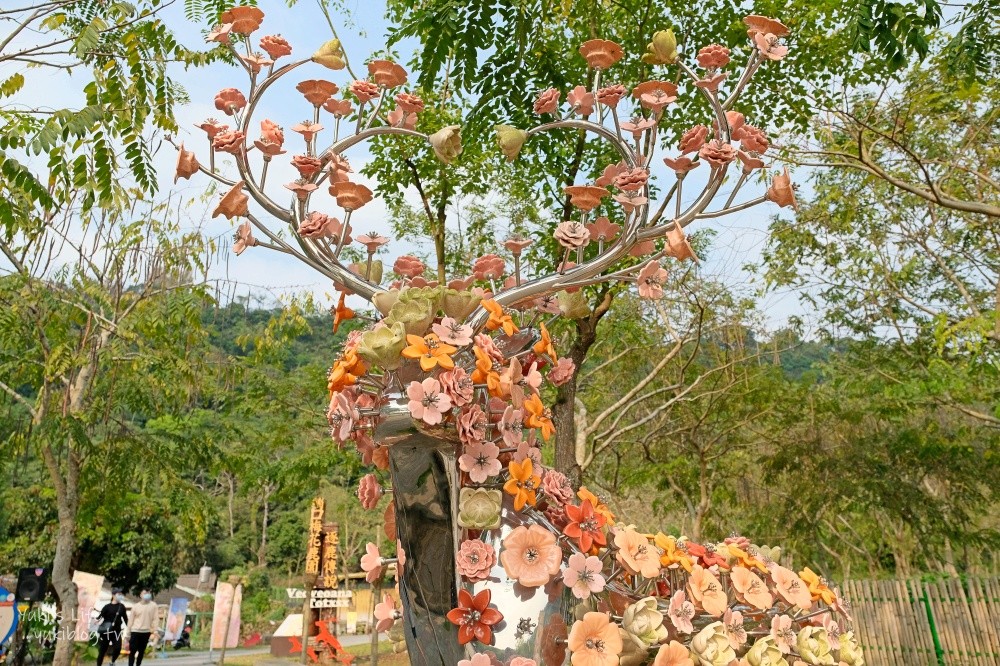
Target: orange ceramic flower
538,417
351,196
662,88
673,654
233,203
345,372
498,318
744,559
387,73
585,525
765,25
781,191
636,554
341,313
670,554
522,484
474,617
187,164
275,46
601,53
544,344
243,19
599,506
531,555
818,588
317,91
585,197
678,245
751,588
431,352
706,590
595,641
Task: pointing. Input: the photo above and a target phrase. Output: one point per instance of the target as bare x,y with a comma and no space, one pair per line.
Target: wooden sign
315,548
331,539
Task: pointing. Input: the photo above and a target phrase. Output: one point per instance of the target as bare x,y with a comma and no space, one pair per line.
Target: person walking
109,631
140,627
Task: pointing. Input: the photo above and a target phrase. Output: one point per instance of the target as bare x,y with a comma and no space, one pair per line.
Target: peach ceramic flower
271,132
770,46
458,385
790,587
673,654
475,560
351,196
409,103
562,371
571,234
256,61
427,402
756,23
431,352
364,90
782,633
678,245
244,20
522,484
680,612
477,660
750,587
275,46
693,139
636,553
480,461
523,661
302,188
220,33
637,125
307,129
387,73
665,89
717,153
581,100
651,279
488,267
212,127
233,203
408,266
601,53
781,191
306,165
753,139
370,491
229,142
341,108
531,555
474,617
681,165
706,590
537,416
611,95
713,56
595,641
243,238
317,91
602,229
585,197
547,101
187,164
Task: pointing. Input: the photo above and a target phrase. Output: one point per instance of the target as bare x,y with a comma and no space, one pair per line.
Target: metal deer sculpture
500,560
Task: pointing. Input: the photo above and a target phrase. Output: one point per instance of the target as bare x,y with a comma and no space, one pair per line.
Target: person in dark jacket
109,632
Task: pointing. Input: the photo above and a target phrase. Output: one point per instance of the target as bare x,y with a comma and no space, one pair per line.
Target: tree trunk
262,551
67,497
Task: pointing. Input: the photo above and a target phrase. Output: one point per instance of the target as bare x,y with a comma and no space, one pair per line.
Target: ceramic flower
229,142
601,53
318,225
662,50
383,346
457,384
637,125
710,646
572,234
585,525
317,91
351,196
244,20
219,33
680,612
818,589
813,646
479,508
272,132
306,165
693,139
583,575
832,628
547,101
275,46
475,560
531,555
387,73
707,591
430,351
595,641
562,371
671,556
651,279
750,588
371,563
732,621
537,416
673,654
770,46
602,229
370,491
458,304
474,617
585,197
636,553
427,402
510,139
850,652
790,587
187,164
488,267
340,108
765,652
717,153
781,191
782,634
307,129
522,661
415,315
611,95
480,460
678,245
330,55
644,623
498,318
385,614
522,484
753,139
713,56
234,203
447,143
756,23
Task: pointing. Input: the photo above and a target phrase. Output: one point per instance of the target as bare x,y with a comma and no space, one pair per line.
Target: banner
88,589
8,616
175,619
228,602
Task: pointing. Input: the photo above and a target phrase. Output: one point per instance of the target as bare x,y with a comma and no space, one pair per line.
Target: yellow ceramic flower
818,589
498,318
765,652
544,345
710,647
850,651
431,352
599,506
522,484
813,645
670,554
510,140
745,559
383,346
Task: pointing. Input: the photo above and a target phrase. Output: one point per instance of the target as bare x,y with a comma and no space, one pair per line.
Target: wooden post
376,590
310,581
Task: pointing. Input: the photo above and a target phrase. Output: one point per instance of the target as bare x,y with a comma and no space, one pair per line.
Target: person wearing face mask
140,627
109,631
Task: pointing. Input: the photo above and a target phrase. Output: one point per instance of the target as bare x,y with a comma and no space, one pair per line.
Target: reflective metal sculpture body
500,560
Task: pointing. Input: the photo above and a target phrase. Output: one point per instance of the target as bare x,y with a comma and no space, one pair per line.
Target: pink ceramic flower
385,614
341,416
365,91
713,56
275,46
547,101
488,267
516,244
427,402
452,332
370,491
712,82
511,426
651,279
790,587
270,131
230,101
409,103
472,424
610,173
693,139
732,623
229,142
717,153
475,560
581,100
681,165
457,384
531,555
219,33
371,563
611,95
256,61
526,450
629,202
557,487
243,238
571,234
408,266
583,575
477,660
480,460
562,371
833,630
318,225
680,612
753,139
638,125
306,165
632,180
706,590
750,163
782,633
522,661
400,118
655,100
770,46
602,229
636,554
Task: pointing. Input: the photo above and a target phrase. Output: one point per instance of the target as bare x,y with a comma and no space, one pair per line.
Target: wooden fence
915,623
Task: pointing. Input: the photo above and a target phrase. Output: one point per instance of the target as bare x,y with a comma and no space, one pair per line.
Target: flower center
531,554
472,617
586,575
589,525
482,460
474,558
595,644
429,400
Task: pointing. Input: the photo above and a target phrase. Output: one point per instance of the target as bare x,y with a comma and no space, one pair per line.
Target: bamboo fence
917,623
